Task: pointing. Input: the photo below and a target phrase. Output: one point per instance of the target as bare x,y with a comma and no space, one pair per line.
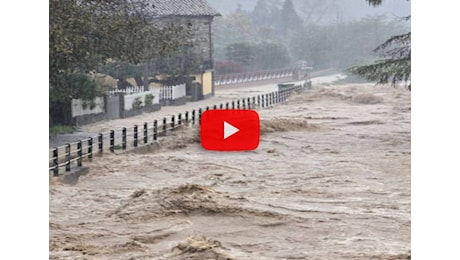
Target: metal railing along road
252,76
64,158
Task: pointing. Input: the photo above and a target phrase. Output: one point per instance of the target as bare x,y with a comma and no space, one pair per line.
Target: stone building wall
200,27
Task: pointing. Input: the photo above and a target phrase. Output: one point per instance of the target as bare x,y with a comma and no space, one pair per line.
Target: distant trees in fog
277,34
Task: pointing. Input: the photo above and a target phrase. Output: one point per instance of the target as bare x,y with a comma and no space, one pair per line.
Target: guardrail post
68,157
90,148
227,105
146,133
215,107
112,141
123,138
56,162
79,153
186,117
249,103
238,104
233,104
193,116
263,101
221,106
258,100
135,136
155,130
199,116
207,108
179,119
173,122
164,125
101,142
243,101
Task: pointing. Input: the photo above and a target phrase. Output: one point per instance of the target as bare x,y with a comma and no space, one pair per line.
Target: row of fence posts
193,117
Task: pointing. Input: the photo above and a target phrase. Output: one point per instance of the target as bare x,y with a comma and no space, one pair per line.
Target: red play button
230,130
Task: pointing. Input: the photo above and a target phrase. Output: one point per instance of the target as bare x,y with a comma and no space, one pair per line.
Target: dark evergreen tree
266,13
289,20
395,65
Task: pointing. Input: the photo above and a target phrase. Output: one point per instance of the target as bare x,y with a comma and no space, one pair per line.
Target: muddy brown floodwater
330,180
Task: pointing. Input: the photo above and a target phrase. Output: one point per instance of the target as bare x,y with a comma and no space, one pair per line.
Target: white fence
84,107
172,92
128,90
165,92
133,97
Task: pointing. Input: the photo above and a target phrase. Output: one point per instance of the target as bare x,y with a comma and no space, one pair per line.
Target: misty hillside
274,34
329,10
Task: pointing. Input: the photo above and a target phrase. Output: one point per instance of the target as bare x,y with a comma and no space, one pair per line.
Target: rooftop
183,8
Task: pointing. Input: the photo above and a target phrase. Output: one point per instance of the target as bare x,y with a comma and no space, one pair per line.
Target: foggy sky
346,9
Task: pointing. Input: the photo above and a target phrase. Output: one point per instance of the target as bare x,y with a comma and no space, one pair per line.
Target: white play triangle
229,130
